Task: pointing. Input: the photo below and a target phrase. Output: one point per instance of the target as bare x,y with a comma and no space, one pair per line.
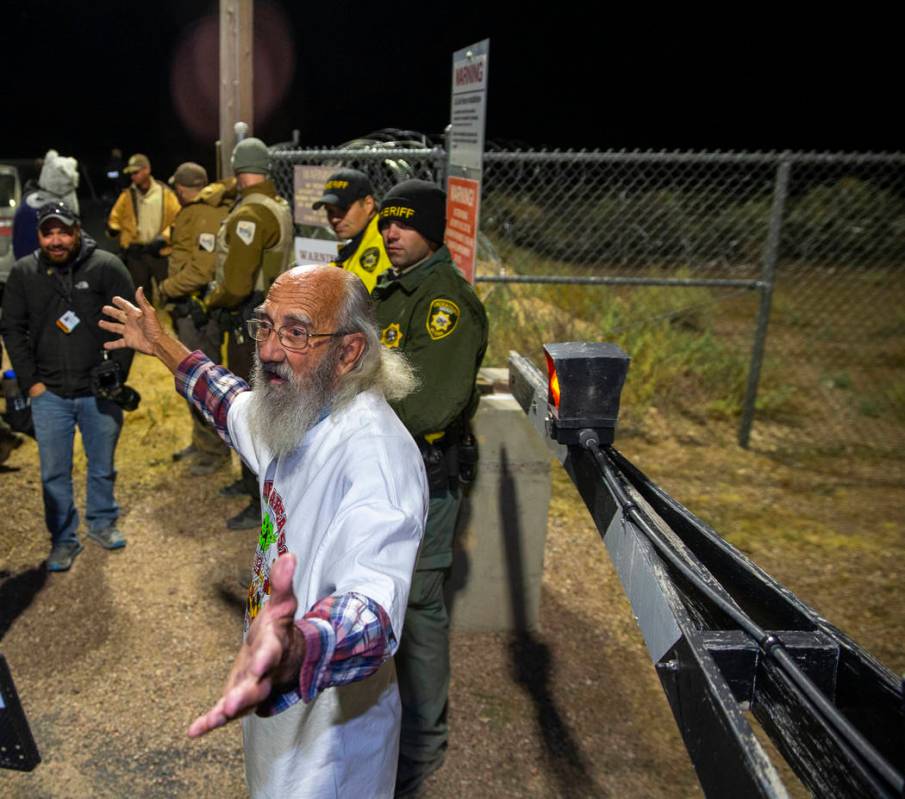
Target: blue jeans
99,421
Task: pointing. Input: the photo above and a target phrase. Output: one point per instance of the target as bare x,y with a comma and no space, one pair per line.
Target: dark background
84,77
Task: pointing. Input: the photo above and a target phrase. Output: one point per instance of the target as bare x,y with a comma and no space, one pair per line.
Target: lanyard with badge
69,320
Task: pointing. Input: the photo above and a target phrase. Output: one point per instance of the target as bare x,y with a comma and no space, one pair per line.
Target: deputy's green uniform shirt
252,232
194,236
432,314
365,255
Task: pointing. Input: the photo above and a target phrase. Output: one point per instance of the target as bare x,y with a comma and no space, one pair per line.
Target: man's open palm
138,326
271,655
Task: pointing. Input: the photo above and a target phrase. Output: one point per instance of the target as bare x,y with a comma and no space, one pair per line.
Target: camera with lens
107,383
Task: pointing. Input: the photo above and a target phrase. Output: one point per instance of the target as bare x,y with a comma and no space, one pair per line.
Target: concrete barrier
498,562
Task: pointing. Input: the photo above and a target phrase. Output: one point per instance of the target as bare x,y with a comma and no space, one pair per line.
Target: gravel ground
113,659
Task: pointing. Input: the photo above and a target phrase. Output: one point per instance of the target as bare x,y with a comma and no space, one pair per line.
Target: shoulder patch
391,336
442,318
245,230
369,259
206,241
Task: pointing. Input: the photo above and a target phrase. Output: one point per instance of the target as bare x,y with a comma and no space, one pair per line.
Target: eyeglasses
292,337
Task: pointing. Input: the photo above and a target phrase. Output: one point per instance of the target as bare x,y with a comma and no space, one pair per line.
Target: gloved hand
155,245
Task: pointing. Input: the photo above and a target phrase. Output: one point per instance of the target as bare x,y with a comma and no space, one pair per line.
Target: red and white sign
463,200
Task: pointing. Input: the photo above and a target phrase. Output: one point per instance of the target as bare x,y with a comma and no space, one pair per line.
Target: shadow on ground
532,660
17,592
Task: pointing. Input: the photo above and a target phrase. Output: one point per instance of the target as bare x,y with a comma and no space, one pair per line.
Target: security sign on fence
463,199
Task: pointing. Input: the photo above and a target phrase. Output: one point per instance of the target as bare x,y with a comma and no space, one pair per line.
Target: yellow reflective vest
365,255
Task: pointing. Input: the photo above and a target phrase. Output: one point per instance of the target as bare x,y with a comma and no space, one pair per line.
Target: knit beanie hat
60,176
420,205
250,155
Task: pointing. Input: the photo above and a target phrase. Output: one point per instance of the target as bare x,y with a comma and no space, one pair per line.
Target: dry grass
114,658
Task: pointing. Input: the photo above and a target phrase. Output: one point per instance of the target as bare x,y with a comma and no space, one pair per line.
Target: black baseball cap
57,210
345,187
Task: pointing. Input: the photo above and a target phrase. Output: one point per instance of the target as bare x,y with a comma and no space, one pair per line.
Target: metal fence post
443,158
768,270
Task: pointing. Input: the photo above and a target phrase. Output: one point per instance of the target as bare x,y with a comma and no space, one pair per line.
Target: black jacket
38,293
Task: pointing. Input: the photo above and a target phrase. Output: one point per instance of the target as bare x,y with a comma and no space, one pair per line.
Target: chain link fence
764,287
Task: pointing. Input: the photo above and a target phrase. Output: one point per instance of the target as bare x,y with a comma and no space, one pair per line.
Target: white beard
279,416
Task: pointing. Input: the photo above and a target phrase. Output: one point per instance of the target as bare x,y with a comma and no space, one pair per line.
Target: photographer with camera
140,220
51,308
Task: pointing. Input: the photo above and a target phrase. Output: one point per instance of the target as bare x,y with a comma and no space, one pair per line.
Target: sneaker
249,518
108,538
185,452
234,489
62,555
204,465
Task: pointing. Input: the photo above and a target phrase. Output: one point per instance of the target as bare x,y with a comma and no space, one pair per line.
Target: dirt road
113,659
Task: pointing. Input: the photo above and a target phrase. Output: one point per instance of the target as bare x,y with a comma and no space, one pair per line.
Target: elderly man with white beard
344,501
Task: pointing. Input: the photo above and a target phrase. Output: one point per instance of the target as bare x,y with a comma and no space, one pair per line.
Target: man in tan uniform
254,245
191,269
140,221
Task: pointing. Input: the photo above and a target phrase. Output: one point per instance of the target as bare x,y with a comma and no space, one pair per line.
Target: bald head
317,291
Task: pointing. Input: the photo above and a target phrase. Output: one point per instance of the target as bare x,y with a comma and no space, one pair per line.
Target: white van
10,196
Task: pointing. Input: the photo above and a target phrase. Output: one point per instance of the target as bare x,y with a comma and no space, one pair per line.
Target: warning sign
314,251
469,106
463,200
307,189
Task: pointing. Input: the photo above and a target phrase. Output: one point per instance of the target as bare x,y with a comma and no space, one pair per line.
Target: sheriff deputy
427,309
190,271
351,209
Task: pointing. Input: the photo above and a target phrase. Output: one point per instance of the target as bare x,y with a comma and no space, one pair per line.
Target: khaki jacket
122,223
194,236
256,237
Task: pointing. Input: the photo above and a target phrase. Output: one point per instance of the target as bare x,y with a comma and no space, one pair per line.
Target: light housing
585,381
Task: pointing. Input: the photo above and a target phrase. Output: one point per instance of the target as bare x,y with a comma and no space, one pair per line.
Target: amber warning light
553,381
585,382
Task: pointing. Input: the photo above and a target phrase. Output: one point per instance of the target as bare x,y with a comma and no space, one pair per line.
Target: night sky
87,76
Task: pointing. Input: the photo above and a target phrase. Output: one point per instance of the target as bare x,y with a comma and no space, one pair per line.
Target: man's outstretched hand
271,655
138,326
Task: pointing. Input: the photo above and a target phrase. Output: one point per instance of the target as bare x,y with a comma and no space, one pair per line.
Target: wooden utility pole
236,74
